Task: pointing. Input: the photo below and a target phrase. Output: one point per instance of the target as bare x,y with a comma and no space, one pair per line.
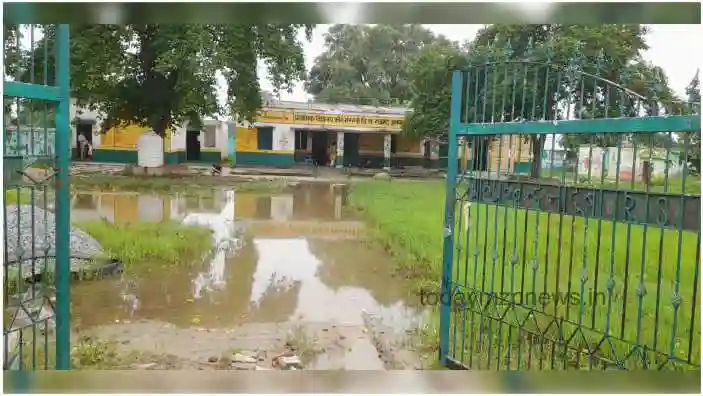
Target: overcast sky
670,48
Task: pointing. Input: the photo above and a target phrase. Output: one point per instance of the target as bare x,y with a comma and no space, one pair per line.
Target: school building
283,135
287,133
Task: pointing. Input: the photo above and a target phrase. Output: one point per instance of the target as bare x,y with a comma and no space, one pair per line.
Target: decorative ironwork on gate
572,220
36,161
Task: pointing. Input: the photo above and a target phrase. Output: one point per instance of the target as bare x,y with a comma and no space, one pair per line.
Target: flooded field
293,267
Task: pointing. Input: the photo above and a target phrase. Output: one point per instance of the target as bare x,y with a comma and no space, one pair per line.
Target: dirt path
256,346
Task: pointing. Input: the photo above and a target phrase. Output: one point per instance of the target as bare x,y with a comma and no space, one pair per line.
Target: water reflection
290,264
224,240
307,202
291,256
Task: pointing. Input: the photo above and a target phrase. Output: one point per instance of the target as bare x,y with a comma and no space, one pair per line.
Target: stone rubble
289,363
287,360
241,358
22,244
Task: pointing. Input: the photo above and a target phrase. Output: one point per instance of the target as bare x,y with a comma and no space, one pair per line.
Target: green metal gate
578,265
36,160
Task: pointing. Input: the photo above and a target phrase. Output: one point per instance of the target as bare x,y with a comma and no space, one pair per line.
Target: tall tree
608,52
11,48
11,58
429,73
162,75
603,51
364,64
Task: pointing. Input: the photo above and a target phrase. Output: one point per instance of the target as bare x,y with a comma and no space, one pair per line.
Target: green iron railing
36,159
591,264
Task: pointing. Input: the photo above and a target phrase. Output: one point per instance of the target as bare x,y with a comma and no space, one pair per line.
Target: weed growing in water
299,341
87,353
145,244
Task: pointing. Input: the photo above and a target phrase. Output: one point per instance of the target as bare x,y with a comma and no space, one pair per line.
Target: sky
670,48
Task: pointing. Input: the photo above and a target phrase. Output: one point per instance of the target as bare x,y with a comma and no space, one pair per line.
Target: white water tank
150,150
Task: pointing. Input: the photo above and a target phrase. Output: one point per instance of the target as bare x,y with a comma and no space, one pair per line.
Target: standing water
291,267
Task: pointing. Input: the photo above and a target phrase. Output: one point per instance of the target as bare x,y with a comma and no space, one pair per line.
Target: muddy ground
256,346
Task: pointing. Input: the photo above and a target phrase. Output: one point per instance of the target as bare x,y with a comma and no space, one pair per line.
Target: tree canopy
368,65
160,75
605,53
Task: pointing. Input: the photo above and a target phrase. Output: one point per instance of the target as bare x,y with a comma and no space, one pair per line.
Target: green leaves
555,86
163,75
430,77
368,65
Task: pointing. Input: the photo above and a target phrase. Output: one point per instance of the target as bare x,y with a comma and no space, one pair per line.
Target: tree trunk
159,124
165,86
537,143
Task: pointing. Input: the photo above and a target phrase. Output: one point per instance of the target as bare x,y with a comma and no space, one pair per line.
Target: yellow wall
370,143
247,140
408,145
127,137
373,144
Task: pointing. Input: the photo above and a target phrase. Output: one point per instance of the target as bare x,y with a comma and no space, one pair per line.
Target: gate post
448,245
63,205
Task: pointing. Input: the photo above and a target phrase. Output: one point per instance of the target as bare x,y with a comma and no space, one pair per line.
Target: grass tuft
21,196
139,244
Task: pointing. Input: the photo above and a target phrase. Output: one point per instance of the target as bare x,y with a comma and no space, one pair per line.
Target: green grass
87,353
21,195
149,244
408,221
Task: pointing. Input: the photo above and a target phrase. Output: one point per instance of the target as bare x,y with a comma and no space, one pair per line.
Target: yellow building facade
356,136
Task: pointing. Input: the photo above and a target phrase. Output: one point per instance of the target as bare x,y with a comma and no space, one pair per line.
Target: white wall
178,139
80,112
222,138
283,136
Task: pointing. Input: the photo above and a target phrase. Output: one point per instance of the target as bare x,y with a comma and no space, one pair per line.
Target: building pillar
339,161
308,134
232,144
387,152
